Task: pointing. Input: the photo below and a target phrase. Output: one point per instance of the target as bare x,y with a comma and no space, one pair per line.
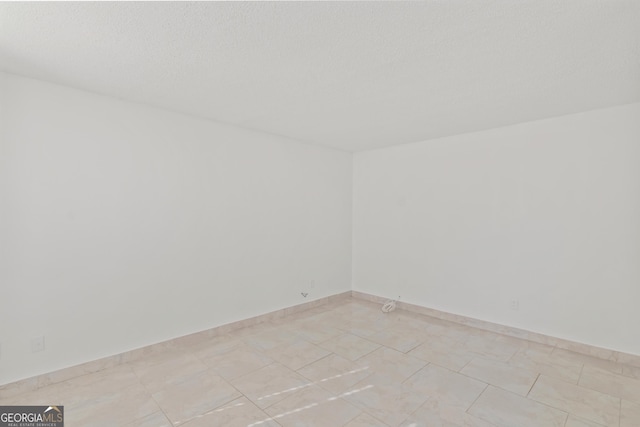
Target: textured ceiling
353,75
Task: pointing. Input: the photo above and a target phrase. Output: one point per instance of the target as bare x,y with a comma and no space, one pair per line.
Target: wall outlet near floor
37,344
515,305
307,291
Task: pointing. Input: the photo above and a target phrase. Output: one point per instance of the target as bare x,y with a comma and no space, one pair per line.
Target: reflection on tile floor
349,364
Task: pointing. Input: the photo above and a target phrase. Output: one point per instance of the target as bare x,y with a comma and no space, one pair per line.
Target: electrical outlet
37,344
312,284
515,305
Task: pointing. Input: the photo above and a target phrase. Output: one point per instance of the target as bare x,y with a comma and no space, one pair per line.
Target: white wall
546,212
123,225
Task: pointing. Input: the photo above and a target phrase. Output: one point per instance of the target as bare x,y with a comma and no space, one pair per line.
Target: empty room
320,214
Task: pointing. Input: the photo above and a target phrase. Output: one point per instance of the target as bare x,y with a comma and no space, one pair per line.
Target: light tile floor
352,365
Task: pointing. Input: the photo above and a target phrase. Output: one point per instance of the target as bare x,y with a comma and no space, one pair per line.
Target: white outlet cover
37,344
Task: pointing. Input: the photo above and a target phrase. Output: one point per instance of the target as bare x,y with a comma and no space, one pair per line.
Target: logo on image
31,416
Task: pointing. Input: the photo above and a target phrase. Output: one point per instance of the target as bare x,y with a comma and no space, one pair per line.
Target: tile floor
351,365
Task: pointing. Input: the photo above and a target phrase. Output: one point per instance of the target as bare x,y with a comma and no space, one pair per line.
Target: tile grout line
532,385
620,415
161,408
476,399
580,376
563,410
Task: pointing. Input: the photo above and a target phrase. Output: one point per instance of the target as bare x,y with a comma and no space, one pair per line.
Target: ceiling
350,75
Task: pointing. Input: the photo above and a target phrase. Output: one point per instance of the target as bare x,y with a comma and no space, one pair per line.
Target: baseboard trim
33,383
39,381
586,349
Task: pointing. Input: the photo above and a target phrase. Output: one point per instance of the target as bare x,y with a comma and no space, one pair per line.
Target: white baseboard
39,381
586,349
